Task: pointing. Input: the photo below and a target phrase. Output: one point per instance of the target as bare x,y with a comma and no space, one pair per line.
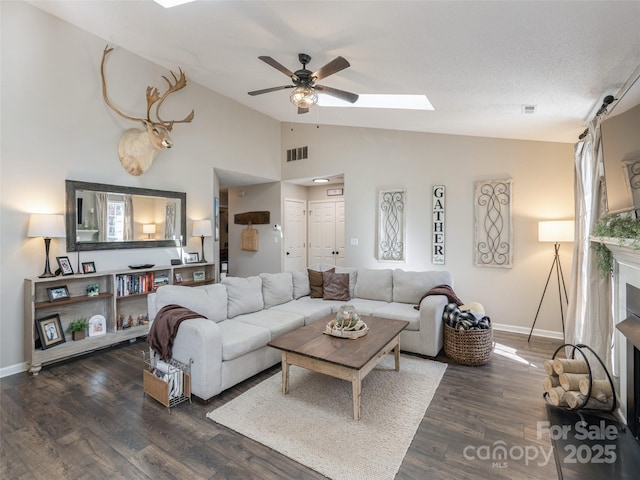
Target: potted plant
77,328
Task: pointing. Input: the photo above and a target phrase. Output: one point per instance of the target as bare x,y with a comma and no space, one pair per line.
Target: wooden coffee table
344,358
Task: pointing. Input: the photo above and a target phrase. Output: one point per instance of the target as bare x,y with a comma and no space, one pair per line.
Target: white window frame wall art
493,240
632,179
437,223
391,225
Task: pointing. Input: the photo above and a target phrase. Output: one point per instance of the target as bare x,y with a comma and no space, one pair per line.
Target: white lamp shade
46,225
202,228
556,231
149,228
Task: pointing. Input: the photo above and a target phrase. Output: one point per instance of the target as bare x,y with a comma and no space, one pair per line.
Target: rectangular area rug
313,424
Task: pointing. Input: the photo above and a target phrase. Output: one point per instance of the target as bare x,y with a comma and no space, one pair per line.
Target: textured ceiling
478,62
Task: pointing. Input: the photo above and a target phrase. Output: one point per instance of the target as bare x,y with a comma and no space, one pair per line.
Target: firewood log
571,381
570,365
556,397
550,382
601,389
548,367
575,399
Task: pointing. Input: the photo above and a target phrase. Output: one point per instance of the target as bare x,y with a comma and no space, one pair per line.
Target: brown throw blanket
165,327
441,290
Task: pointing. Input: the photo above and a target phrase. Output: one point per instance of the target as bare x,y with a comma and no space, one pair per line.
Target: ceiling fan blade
278,66
302,110
334,66
341,94
268,90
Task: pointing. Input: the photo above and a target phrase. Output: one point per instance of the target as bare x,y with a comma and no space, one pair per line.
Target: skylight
171,3
403,102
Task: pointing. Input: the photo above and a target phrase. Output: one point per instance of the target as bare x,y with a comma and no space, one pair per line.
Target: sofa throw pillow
353,277
300,284
375,284
244,295
277,288
316,282
335,286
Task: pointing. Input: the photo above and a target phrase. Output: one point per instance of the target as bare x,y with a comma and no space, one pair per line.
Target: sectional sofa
239,316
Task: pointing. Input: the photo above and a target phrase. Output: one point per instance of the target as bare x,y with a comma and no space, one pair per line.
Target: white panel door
326,224
295,234
339,235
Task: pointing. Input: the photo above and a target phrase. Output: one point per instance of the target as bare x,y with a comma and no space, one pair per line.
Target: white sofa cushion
375,284
244,295
409,287
210,301
277,288
278,322
353,277
241,338
300,284
400,311
310,309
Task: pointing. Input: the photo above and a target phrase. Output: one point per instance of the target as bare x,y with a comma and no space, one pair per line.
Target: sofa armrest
431,325
152,309
199,339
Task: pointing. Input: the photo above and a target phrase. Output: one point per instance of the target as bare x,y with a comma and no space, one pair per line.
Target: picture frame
178,278
88,267
97,326
56,294
64,265
93,290
50,331
198,276
191,257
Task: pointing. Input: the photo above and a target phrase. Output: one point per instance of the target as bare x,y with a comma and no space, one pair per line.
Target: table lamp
149,229
202,228
48,226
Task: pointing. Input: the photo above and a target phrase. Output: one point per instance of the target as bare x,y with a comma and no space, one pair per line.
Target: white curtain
589,316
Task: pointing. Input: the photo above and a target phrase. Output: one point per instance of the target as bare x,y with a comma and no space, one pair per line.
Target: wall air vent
299,153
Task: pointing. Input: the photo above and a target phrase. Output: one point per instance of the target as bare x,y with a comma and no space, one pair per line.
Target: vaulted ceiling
478,62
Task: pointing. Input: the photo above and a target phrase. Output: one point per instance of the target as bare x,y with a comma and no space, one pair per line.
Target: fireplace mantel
623,249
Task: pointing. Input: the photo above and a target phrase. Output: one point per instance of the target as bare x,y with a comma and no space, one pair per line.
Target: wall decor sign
391,225
437,223
493,223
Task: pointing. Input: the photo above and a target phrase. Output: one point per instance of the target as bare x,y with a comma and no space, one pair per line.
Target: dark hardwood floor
88,419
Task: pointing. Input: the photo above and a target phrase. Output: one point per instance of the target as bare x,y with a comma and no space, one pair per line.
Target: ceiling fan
304,81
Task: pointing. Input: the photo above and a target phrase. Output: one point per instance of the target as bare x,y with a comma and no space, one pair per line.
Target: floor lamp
555,231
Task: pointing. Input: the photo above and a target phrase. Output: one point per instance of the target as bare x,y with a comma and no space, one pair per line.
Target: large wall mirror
103,217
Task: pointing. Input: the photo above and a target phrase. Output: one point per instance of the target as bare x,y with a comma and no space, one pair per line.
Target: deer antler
179,84
108,50
153,96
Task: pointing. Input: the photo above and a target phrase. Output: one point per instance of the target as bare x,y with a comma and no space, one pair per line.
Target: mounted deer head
138,148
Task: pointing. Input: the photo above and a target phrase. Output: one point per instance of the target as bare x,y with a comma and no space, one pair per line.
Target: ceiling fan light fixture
304,97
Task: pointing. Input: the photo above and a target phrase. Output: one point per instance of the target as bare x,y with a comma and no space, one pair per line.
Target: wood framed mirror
110,217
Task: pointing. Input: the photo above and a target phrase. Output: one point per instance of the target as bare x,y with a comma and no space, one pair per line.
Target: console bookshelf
112,302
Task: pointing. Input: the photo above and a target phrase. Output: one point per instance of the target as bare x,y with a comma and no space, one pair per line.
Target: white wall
376,159
262,197
56,126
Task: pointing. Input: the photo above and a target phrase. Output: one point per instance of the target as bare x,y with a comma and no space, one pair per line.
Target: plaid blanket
464,320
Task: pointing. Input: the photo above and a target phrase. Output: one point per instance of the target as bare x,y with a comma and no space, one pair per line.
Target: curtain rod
608,100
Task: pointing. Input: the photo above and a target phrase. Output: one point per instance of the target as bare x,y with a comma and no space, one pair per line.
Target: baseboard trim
13,369
525,331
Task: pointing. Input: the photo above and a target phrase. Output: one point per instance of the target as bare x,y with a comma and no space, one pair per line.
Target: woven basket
468,347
